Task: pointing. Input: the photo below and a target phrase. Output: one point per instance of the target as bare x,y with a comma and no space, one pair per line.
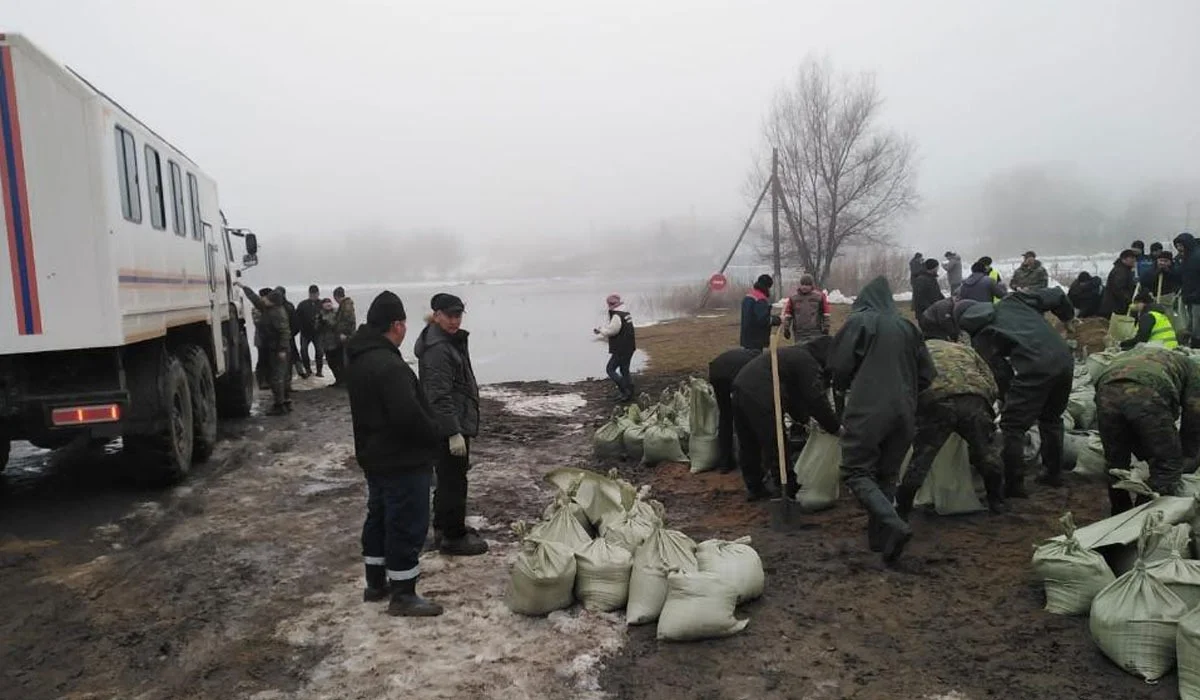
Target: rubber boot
469,545
894,533
904,501
406,603
994,485
377,584
1014,480
1052,444
875,534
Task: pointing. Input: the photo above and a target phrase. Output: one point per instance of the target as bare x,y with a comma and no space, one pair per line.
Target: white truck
123,319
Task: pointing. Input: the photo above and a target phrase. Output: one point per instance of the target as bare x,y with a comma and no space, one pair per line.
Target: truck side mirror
251,245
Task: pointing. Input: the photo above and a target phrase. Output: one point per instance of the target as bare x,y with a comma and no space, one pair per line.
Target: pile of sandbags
606,545
1146,618
681,427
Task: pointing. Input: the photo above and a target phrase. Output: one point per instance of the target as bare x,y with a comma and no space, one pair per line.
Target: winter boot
469,545
377,584
894,533
994,485
904,501
875,534
1014,482
406,603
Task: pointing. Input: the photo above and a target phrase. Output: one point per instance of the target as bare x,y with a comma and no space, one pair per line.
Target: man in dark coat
395,442
954,271
916,265
757,319
881,360
1085,295
274,349
308,311
1189,280
449,382
925,288
802,388
1144,262
981,286
1162,280
294,329
1121,285
1034,368
721,372
937,323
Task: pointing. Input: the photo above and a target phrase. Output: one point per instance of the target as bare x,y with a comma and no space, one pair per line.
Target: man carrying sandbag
721,372
959,401
1139,396
1034,368
880,358
802,391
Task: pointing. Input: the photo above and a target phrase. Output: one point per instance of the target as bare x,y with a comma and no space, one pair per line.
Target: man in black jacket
1162,280
1034,369
925,288
395,443
449,382
1188,265
1121,285
757,319
721,372
308,311
1085,293
881,360
802,388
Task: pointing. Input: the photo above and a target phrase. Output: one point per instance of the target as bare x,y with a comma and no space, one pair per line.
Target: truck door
218,308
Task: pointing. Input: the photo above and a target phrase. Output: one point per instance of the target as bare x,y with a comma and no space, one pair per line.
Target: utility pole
778,287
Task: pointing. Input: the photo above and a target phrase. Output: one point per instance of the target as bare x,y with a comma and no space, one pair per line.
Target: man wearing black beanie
757,319
395,443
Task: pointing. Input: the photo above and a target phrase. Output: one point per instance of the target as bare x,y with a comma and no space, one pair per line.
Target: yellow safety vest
995,278
1163,332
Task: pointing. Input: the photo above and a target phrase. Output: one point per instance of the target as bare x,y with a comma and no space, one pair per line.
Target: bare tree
844,180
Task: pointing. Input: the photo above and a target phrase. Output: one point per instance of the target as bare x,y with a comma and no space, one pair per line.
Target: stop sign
717,282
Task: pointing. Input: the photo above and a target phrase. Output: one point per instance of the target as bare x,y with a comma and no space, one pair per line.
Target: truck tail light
85,415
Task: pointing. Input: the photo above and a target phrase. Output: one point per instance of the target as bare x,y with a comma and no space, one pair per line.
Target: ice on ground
518,403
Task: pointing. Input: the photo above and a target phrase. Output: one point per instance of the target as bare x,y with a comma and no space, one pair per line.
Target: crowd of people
982,361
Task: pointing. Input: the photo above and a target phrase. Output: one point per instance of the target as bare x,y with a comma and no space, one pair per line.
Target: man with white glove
449,383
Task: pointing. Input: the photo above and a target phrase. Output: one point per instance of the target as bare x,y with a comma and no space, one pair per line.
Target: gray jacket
448,380
953,268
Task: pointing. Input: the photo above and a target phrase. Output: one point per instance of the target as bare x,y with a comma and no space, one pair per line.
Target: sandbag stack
682,422
606,545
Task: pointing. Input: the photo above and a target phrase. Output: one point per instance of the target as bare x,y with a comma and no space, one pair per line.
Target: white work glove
458,446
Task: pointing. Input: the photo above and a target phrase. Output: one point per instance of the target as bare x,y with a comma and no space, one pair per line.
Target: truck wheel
167,453
235,393
204,400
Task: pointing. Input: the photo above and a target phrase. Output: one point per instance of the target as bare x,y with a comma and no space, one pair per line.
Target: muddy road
245,582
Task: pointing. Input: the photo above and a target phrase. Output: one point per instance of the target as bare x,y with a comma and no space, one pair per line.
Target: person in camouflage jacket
959,400
1138,399
275,347
340,329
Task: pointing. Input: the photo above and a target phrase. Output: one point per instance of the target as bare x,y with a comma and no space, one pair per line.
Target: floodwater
525,330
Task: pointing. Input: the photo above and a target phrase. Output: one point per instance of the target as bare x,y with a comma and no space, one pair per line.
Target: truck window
194,195
178,220
158,215
127,177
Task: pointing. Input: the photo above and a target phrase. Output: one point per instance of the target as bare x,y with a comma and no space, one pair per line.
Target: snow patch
518,403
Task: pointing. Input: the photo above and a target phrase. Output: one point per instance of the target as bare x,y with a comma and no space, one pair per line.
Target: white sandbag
608,439
1089,460
699,606
602,576
597,494
1068,422
1033,445
1126,528
665,550
1175,569
1071,574
542,579
951,480
1082,405
818,471
703,418
1187,651
661,444
636,521
564,529
562,500
632,439
1097,362
1134,619
735,563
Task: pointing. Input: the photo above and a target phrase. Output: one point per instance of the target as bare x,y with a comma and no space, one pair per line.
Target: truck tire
203,389
235,392
166,454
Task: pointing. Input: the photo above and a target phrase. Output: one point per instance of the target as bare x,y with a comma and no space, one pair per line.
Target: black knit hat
385,310
764,282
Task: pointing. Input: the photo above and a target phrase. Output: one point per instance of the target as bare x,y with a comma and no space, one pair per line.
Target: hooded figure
954,271
880,358
981,286
1034,369
1189,280
757,319
916,266
803,395
937,323
1085,294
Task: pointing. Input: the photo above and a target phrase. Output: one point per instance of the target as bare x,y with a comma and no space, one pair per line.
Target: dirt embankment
245,581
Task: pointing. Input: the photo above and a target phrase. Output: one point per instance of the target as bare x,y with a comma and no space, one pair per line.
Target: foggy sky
555,120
